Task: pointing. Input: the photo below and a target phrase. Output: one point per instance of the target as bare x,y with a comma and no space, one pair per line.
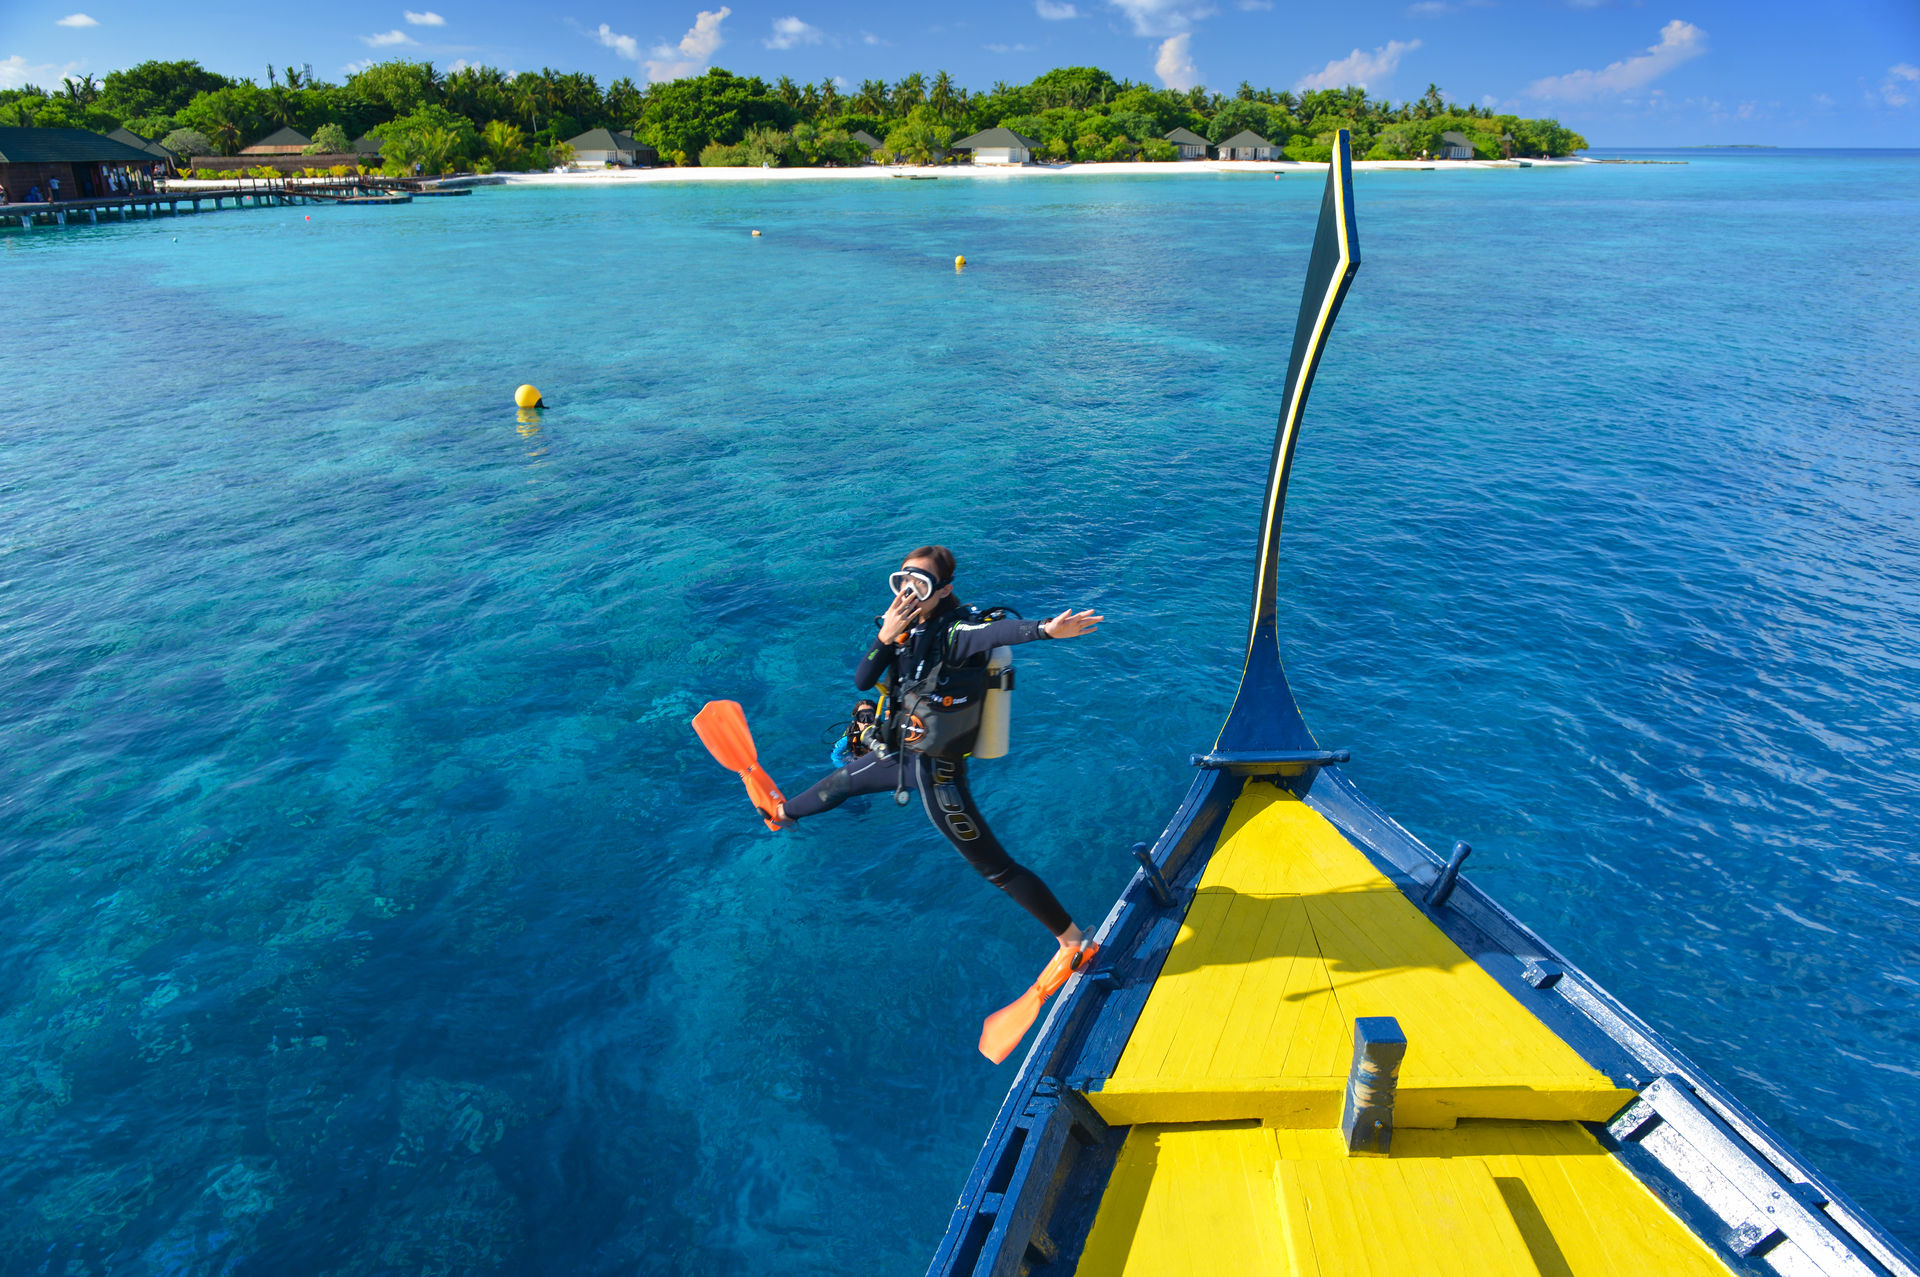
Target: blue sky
1660,72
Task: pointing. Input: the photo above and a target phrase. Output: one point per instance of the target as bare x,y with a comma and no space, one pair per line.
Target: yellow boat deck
1293,935
1486,1199
1233,1079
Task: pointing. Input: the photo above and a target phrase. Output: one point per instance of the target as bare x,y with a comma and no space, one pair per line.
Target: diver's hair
941,558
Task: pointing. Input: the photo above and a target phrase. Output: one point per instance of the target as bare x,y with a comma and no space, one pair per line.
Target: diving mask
916,583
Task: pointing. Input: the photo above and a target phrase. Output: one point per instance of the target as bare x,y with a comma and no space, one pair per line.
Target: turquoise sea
367,906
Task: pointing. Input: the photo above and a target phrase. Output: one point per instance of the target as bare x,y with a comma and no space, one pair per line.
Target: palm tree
941,96
829,97
226,133
910,92
83,91
503,143
624,102
872,98
787,91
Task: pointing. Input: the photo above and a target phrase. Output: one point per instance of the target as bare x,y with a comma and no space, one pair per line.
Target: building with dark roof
80,161
1455,146
604,146
160,153
288,141
1247,145
998,145
367,147
867,140
1190,144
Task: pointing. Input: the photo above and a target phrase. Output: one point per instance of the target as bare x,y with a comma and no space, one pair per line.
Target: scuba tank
996,714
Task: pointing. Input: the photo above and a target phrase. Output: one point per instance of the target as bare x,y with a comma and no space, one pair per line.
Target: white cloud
1365,70
1160,18
1053,12
624,45
1253,6
1679,42
1429,9
689,57
1008,48
1174,63
868,37
427,19
385,38
790,32
355,68
1898,88
77,20
16,71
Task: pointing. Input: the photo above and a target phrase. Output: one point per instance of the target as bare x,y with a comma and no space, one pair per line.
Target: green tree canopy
188,142
398,87
328,139
157,88
685,115
1073,86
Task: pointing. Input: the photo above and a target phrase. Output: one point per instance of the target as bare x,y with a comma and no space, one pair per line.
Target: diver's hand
898,616
1071,624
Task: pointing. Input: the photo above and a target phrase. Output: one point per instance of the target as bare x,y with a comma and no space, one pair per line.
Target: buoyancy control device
951,709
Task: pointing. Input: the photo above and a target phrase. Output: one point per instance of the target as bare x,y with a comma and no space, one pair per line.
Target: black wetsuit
940,782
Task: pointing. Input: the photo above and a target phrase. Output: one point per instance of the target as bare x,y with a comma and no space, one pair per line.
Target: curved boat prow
1265,717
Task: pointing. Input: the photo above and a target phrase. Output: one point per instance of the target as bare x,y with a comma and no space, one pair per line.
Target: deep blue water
366,905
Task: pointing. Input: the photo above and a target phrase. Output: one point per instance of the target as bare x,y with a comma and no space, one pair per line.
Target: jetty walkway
252,192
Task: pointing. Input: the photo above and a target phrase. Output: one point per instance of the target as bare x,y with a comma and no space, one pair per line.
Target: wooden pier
133,205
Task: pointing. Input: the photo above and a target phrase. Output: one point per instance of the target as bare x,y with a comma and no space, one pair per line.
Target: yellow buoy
756,234
528,397
959,262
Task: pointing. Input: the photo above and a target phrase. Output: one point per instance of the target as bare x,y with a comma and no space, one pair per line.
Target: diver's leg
949,804
867,774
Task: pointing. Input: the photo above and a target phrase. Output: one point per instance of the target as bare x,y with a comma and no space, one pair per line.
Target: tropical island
405,117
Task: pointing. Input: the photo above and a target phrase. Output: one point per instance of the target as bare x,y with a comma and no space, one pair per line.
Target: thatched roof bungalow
1190,144
287,141
1247,145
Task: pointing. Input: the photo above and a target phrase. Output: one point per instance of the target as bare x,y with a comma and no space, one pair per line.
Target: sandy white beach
1002,172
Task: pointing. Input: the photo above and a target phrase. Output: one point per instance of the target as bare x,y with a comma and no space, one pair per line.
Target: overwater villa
81,161
998,145
287,141
605,147
1247,145
1190,145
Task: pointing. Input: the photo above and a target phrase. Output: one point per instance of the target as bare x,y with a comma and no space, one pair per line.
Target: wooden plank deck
1292,935
1485,1199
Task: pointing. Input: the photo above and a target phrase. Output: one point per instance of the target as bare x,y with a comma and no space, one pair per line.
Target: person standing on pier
53,185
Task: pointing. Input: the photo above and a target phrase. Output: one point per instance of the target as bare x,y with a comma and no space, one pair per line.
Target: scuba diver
853,742
931,657
937,663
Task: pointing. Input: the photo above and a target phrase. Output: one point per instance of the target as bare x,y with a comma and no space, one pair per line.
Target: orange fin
722,728
1002,1031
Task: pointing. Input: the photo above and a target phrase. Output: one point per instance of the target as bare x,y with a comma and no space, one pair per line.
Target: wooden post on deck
1366,1119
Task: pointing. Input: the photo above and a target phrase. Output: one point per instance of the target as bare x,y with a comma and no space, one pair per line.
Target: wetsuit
940,782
